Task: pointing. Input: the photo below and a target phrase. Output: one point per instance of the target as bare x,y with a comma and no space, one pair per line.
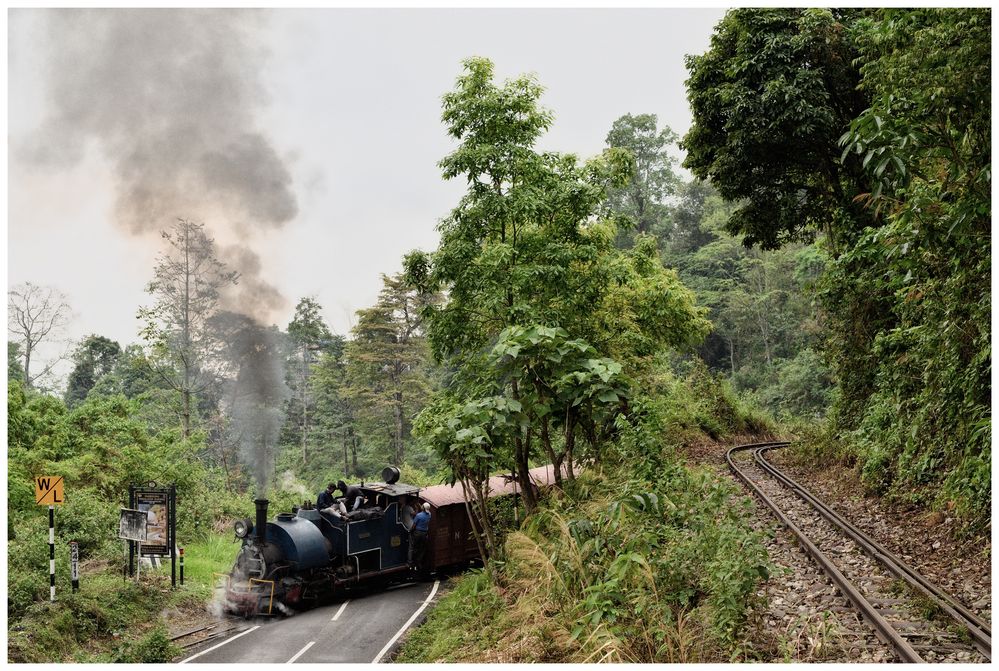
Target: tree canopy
770,100
654,180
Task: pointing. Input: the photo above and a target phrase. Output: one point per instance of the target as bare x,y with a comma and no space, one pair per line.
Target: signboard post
49,492
51,553
173,535
74,564
131,545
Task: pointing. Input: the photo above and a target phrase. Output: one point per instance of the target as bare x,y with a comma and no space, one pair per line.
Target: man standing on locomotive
418,538
353,495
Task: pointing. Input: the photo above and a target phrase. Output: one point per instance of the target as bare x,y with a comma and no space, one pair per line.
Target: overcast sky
348,105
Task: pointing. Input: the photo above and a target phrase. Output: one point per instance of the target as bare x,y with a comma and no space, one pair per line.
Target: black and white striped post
74,565
51,553
181,566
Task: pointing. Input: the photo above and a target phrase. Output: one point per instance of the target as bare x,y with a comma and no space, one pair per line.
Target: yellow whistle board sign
48,490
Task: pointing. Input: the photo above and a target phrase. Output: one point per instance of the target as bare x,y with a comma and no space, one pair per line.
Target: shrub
154,647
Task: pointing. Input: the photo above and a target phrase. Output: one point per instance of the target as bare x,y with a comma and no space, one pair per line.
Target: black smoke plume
170,96
256,391
170,99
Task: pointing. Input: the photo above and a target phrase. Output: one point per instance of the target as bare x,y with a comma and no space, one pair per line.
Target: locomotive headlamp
243,528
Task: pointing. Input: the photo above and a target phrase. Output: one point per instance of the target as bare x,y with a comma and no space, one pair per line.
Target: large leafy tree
187,281
509,249
654,180
872,126
770,100
516,249
388,367
95,357
308,336
527,246
925,142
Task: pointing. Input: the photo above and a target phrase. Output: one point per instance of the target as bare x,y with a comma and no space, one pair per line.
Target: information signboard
132,525
155,504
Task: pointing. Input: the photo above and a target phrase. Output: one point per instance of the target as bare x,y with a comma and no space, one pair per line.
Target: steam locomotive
305,557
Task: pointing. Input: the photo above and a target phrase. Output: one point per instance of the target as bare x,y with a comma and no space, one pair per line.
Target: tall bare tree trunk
346,464
186,393
476,528
522,453
397,416
353,452
522,450
556,459
480,501
27,366
185,358
570,442
305,404
731,353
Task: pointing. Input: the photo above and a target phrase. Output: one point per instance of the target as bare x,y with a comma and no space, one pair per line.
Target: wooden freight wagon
451,540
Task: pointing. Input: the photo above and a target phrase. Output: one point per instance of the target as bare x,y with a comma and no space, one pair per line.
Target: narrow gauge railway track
895,618
209,632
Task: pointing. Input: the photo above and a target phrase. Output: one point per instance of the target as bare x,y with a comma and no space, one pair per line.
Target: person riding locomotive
418,537
353,495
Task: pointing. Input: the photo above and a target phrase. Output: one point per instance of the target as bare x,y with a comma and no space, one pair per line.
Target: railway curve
919,622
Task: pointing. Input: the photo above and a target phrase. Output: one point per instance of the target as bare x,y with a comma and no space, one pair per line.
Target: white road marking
301,652
339,612
413,617
215,647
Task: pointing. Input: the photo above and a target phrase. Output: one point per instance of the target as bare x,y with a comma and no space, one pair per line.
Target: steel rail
979,630
885,631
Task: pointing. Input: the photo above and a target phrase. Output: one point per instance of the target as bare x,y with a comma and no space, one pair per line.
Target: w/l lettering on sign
48,490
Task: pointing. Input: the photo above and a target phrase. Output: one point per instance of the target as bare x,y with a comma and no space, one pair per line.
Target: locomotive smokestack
260,528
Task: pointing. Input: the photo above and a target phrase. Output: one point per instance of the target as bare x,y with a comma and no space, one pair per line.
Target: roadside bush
81,626
91,521
466,623
688,401
155,647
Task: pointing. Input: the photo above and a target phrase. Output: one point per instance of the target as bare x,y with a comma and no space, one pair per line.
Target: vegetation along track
916,618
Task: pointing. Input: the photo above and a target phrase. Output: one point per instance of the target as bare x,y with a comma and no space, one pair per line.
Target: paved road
361,629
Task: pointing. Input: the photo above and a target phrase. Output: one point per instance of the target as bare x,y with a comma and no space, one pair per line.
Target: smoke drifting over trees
170,99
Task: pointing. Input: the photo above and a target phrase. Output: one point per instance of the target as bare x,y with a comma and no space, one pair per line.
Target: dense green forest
869,131
824,273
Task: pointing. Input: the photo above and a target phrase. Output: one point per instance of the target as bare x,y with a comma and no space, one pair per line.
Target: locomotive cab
374,539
